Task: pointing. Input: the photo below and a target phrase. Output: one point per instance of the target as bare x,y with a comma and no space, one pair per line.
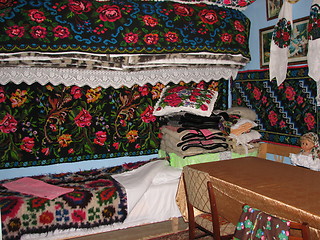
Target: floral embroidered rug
87,34
284,112
97,199
72,124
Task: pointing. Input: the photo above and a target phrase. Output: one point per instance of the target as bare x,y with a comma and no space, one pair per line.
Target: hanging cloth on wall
313,56
279,44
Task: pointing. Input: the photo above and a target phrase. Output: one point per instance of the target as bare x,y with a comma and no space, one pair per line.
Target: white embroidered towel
313,56
279,44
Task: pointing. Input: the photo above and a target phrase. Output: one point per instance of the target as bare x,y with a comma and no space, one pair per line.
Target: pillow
243,112
167,174
175,99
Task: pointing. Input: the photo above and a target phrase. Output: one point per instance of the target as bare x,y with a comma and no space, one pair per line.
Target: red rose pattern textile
284,112
97,200
89,33
196,99
43,125
313,57
314,21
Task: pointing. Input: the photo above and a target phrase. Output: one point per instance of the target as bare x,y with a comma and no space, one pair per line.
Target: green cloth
179,162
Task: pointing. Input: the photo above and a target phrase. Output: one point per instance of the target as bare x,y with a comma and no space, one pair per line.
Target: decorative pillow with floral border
175,99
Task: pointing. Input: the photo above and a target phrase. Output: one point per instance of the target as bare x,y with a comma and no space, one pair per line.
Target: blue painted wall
70,167
257,13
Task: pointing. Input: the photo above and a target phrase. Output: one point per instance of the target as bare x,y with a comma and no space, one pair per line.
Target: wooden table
288,192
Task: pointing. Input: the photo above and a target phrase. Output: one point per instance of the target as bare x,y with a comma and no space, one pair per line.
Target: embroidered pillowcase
175,99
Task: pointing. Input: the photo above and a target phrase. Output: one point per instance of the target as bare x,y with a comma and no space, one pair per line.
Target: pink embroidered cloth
36,187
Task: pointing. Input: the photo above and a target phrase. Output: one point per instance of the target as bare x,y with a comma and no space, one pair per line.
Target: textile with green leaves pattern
255,224
43,125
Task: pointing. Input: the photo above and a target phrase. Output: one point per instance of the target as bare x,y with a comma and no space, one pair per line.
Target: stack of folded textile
188,135
193,126
242,137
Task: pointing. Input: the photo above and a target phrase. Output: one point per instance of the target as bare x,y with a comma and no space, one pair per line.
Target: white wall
257,14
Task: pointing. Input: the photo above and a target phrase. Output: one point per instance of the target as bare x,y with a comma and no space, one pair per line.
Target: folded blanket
202,125
178,141
213,118
183,133
205,144
171,130
191,141
201,137
37,188
169,147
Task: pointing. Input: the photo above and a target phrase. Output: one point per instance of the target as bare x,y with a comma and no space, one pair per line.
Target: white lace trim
116,79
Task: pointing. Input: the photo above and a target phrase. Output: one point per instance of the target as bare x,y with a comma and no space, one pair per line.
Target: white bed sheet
157,203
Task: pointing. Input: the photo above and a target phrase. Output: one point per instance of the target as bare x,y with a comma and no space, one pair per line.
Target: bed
102,200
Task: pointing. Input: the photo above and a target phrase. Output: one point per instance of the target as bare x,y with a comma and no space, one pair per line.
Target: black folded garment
202,125
188,117
202,140
213,146
198,134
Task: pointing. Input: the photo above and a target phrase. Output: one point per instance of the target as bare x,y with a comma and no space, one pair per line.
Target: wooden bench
279,151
